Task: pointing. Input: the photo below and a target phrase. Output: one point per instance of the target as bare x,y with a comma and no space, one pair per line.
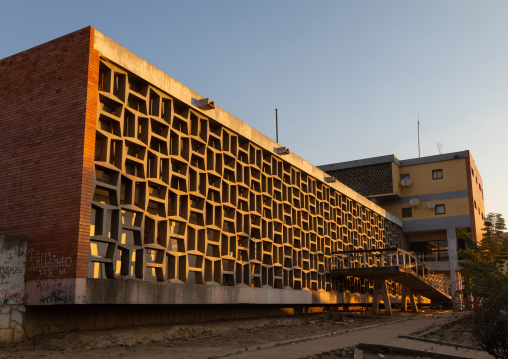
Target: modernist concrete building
433,196
133,189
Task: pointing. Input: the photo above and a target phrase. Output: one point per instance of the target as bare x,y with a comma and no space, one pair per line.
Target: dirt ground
456,331
217,337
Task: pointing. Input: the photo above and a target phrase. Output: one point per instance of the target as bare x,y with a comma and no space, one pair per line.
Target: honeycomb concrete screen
178,197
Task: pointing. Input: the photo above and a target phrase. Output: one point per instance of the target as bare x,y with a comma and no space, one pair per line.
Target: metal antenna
277,125
419,134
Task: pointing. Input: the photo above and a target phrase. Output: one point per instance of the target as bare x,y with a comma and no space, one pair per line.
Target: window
404,176
437,174
440,209
430,250
407,212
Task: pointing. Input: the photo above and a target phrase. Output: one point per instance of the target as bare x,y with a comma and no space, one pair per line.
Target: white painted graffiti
48,265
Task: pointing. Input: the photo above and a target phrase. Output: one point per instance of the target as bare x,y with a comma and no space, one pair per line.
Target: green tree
494,246
486,280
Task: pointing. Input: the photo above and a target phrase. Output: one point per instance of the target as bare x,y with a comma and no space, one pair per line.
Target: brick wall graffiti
55,292
47,264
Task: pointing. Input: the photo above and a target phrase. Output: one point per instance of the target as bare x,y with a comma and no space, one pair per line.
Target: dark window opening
407,212
461,243
437,174
440,209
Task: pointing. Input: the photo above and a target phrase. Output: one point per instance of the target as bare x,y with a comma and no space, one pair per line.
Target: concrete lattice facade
375,179
180,197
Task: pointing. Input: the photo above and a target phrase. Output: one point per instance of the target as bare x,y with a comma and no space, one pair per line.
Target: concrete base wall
95,304
103,291
129,291
66,318
12,323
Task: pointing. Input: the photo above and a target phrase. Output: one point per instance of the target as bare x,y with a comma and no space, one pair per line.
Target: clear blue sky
348,77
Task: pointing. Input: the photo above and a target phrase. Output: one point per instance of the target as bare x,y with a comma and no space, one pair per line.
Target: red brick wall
48,96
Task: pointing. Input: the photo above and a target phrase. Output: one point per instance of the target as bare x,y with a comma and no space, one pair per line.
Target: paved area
385,335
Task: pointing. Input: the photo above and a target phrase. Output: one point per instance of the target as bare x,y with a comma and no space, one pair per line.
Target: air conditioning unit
204,104
281,150
330,179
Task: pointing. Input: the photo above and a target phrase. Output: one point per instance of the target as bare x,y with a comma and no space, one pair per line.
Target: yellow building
433,196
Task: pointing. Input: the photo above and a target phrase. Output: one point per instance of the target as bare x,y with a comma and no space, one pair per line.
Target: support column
453,258
381,293
408,293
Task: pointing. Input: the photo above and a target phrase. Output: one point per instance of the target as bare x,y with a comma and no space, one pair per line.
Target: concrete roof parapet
435,158
392,158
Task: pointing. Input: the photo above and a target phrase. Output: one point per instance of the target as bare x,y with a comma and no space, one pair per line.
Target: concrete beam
104,291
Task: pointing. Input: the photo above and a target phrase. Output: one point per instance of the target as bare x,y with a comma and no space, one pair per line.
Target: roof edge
435,158
392,158
360,163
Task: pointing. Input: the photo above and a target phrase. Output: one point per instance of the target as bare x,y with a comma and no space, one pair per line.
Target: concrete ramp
380,265
402,275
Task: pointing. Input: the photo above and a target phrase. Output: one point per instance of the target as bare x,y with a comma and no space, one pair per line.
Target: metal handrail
390,258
